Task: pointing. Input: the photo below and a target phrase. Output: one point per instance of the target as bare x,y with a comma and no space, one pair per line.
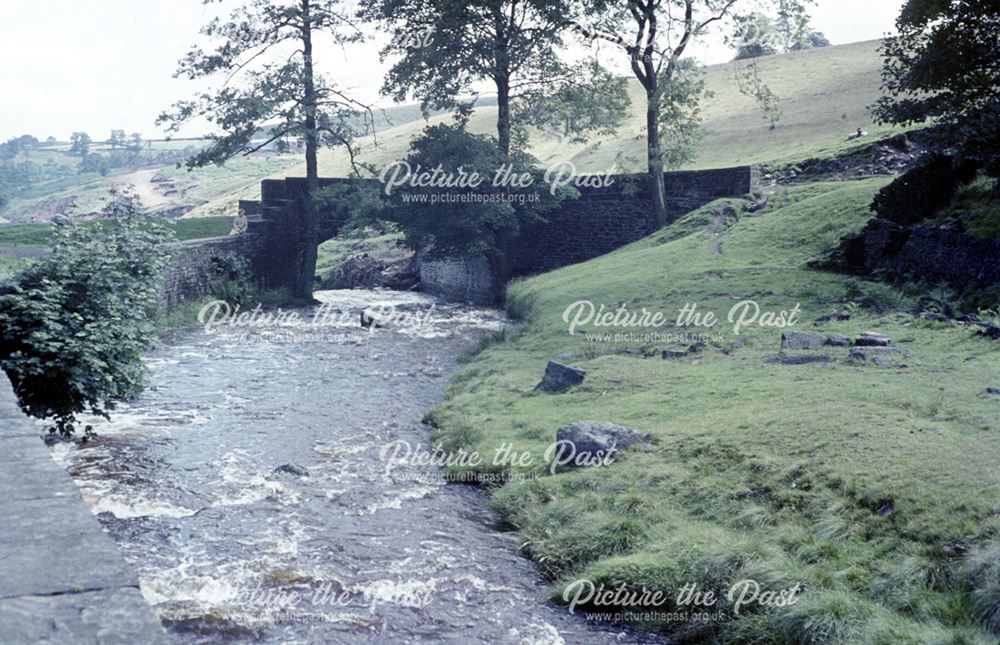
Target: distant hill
824,96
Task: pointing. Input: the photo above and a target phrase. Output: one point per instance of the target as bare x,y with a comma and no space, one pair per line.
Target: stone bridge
599,221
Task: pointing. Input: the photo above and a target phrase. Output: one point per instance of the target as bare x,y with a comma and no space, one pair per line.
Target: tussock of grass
875,488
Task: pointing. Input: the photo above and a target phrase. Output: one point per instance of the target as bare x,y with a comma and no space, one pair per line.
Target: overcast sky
94,65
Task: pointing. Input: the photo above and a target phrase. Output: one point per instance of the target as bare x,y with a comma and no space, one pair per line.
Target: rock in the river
801,340
370,321
835,316
838,340
594,441
559,377
872,339
291,469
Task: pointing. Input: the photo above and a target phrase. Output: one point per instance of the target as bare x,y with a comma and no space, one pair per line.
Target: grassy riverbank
875,488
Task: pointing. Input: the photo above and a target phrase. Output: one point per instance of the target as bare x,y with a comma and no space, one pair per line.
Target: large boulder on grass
592,441
560,377
801,340
872,339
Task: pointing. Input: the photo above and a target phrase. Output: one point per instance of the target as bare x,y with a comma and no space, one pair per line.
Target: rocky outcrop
925,253
885,157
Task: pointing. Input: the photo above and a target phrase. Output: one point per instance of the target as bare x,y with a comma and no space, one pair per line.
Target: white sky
94,65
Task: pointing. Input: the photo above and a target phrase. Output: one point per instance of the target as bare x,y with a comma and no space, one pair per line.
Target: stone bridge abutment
598,222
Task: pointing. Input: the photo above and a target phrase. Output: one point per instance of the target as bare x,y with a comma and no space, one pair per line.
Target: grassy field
875,488
39,235
161,187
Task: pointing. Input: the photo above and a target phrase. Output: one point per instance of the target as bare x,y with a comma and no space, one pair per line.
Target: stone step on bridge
601,220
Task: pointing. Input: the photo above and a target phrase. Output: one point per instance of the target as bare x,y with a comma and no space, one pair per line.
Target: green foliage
680,114
74,324
80,144
758,36
285,99
232,280
289,98
941,67
655,35
976,208
594,103
446,47
352,205
473,220
95,162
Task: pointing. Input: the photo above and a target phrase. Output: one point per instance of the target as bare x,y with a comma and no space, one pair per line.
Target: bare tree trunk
501,76
654,157
503,115
310,240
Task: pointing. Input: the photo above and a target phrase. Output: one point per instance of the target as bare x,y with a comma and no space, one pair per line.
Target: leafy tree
467,220
278,92
510,43
134,142
758,36
657,34
117,139
813,40
79,144
95,162
74,324
941,67
791,24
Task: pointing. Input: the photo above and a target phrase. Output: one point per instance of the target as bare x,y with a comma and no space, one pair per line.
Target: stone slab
62,578
109,617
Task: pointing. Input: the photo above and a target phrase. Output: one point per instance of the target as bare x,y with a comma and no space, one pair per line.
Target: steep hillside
869,483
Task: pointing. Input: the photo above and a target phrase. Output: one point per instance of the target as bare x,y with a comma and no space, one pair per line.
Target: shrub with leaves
73,325
464,220
232,280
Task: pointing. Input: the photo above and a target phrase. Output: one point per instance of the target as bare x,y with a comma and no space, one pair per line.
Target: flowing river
247,488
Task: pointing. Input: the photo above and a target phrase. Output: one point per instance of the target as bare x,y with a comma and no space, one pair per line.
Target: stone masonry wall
599,221
190,272
467,280
604,219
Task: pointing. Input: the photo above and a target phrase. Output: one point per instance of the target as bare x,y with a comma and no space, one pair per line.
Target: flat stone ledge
62,578
106,616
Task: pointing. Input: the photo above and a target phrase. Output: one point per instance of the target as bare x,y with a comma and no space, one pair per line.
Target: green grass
976,207
39,235
825,445
86,193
